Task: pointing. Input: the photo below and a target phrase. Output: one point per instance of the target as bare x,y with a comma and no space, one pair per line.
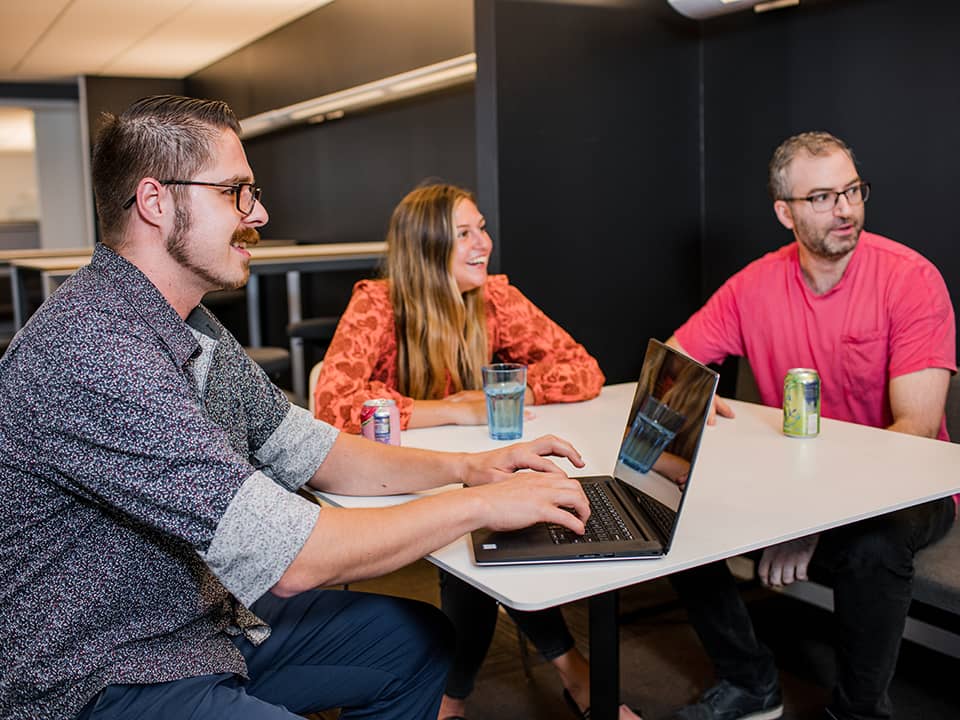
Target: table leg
604,656
253,311
51,281
19,297
295,315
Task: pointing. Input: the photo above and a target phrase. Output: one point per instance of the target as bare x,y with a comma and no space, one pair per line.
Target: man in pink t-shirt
875,320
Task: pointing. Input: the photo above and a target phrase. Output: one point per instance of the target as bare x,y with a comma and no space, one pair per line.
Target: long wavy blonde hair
441,333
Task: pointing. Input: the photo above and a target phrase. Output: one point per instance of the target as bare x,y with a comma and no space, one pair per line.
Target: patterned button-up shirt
147,478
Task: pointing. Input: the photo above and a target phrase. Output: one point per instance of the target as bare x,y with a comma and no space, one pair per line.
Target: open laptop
634,514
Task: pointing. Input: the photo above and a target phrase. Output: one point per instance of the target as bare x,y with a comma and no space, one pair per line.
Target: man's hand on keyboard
528,498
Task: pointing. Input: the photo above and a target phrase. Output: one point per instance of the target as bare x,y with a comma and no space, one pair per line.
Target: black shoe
726,701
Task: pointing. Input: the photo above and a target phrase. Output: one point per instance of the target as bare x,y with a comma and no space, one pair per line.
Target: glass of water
504,385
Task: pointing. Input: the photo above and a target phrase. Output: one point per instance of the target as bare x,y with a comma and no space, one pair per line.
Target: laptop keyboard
604,523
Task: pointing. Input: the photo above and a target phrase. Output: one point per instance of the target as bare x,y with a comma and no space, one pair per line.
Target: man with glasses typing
158,560
875,320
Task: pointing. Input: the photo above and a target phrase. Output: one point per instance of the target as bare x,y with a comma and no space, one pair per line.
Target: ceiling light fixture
430,78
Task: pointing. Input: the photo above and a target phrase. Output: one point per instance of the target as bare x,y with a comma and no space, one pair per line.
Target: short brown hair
164,137
814,143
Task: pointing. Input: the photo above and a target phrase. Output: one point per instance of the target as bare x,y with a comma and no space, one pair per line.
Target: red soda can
380,421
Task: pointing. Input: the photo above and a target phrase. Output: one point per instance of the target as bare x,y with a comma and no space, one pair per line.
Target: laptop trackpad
533,536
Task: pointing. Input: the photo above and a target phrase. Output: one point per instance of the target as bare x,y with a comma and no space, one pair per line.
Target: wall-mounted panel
341,45
598,151
881,74
339,181
114,95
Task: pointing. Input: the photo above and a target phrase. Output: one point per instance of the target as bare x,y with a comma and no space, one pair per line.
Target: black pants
870,566
474,617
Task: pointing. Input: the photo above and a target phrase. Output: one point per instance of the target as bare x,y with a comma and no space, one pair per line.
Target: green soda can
801,403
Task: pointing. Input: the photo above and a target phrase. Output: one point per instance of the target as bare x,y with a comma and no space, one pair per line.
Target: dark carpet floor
663,665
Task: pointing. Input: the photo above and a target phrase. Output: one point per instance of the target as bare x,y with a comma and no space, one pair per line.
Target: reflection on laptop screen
665,424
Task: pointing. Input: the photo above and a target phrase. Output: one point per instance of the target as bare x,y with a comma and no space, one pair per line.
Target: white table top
751,487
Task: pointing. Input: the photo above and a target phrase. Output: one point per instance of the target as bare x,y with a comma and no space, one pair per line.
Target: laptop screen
665,424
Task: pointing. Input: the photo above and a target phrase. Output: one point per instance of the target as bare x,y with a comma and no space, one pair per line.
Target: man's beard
177,246
819,243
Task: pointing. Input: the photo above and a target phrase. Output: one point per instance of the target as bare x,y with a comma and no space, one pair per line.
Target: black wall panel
881,74
338,46
597,126
339,181
115,94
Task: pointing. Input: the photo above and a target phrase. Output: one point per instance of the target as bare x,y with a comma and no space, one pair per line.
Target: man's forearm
357,466
912,427
358,544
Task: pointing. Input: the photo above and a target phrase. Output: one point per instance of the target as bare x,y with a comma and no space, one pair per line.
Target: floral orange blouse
361,362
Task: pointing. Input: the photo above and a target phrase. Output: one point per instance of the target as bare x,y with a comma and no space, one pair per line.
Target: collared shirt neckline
135,287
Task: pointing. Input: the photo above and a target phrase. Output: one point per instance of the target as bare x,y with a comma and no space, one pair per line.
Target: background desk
292,260
8,256
751,487
289,260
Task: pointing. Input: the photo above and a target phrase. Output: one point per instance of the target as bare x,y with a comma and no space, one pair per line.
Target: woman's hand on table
478,401
471,405
467,407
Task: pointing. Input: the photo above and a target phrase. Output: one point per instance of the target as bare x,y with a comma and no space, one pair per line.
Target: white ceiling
44,40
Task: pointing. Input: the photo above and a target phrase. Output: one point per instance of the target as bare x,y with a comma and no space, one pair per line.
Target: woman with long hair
420,336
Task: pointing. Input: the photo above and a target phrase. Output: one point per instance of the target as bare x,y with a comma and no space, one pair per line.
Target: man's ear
784,214
151,202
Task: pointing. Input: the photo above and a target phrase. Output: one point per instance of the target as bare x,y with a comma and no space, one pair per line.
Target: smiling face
209,235
471,247
831,235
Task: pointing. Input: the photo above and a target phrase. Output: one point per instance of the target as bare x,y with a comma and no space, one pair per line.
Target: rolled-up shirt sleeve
261,532
292,454
266,523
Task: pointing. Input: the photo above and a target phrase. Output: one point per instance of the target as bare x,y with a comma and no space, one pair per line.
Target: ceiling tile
21,23
53,39
204,32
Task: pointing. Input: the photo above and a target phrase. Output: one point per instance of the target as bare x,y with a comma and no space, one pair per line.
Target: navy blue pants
373,656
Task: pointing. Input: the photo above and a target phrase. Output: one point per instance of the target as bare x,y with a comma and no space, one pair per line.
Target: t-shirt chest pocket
863,362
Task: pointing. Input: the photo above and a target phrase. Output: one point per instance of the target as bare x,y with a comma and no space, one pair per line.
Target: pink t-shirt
889,315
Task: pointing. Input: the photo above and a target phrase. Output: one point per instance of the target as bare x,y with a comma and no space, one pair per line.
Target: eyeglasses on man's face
826,200
245,195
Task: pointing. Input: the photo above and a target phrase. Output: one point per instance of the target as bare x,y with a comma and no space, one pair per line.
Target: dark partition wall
593,113
882,74
339,181
114,94
338,46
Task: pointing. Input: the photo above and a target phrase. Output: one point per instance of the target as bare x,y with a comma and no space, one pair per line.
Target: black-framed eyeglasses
245,195
827,200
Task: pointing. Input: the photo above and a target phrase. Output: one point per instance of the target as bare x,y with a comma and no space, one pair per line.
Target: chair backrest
312,385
